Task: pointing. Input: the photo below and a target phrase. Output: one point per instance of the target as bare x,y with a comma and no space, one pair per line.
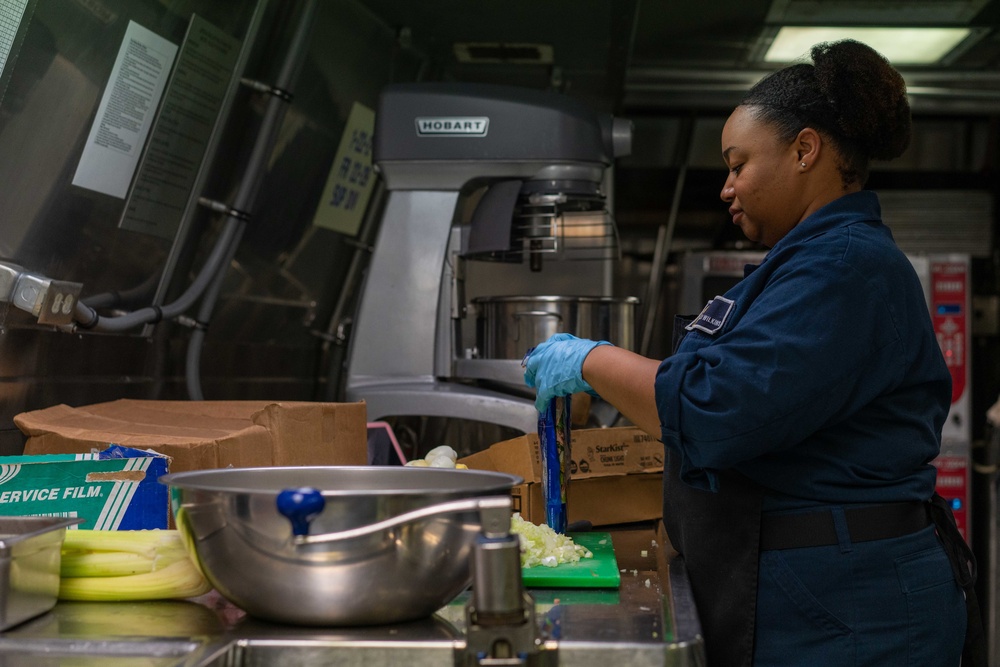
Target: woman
801,410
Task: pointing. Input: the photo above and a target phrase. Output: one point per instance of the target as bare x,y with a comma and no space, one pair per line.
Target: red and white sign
953,486
949,295
949,306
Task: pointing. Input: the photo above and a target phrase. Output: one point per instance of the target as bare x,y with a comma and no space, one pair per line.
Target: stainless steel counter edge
649,622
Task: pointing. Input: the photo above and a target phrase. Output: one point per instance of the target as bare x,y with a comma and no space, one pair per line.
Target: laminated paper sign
126,112
11,12
349,184
192,104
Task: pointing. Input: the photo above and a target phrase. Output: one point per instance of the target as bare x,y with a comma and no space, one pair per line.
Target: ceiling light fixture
901,46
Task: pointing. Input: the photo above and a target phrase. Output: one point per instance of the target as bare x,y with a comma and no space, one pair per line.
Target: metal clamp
220,207
261,87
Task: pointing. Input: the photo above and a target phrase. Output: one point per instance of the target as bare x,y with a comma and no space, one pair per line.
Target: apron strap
963,564
679,330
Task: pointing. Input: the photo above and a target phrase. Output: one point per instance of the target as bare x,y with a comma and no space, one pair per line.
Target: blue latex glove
555,367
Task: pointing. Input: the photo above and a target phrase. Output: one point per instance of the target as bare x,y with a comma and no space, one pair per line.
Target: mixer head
561,220
538,158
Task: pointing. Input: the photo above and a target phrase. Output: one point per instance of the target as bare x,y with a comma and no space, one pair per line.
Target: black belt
864,524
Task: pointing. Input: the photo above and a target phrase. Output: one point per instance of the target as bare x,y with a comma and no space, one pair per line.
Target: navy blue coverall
819,378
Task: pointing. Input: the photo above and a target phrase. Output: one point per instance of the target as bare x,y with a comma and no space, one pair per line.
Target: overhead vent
938,221
504,52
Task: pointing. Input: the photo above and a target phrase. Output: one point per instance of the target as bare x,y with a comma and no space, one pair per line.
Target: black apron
718,535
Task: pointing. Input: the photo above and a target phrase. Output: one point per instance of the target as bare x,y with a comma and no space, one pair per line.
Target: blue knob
300,506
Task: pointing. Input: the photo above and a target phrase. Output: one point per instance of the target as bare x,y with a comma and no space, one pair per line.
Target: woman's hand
555,367
624,379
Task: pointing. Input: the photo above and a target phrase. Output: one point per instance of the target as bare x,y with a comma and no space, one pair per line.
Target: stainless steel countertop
649,621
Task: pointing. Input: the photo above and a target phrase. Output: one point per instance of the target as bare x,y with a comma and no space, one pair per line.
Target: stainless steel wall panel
57,78
287,274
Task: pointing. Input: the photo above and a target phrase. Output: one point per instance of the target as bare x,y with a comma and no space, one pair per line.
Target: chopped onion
443,450
440,462
540,545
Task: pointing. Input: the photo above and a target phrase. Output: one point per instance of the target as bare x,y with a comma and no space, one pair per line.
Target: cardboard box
616,475
115,489
206,434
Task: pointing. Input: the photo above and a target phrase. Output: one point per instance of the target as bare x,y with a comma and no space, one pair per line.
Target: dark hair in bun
850,94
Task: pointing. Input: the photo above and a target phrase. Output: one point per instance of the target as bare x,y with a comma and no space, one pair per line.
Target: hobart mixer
478,172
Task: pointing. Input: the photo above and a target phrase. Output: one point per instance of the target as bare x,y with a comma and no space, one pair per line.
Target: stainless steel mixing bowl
246,549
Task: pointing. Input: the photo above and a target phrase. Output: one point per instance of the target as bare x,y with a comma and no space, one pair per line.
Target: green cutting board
601,571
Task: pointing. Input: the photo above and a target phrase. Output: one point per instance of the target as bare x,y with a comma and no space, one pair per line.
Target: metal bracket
501,630
9,273
52,302
519,645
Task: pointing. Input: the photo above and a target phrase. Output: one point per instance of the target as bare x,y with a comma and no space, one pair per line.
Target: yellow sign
349,184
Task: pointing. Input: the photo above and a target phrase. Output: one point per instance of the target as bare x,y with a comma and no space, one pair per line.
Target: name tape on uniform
713,316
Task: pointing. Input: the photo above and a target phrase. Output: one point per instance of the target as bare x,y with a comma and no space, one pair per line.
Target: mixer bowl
245,547
507,326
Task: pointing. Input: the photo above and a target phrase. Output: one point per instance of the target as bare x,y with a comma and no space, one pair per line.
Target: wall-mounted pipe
664,238
249,187
85,315
87,318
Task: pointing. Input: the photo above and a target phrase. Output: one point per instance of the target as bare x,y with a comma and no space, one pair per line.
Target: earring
803,165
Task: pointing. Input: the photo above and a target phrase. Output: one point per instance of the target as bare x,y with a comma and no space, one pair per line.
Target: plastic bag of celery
127,565
540,545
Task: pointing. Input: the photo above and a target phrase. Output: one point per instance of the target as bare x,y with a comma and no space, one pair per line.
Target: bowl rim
195,480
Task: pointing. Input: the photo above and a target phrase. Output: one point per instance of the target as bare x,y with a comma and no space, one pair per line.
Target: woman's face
764,186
